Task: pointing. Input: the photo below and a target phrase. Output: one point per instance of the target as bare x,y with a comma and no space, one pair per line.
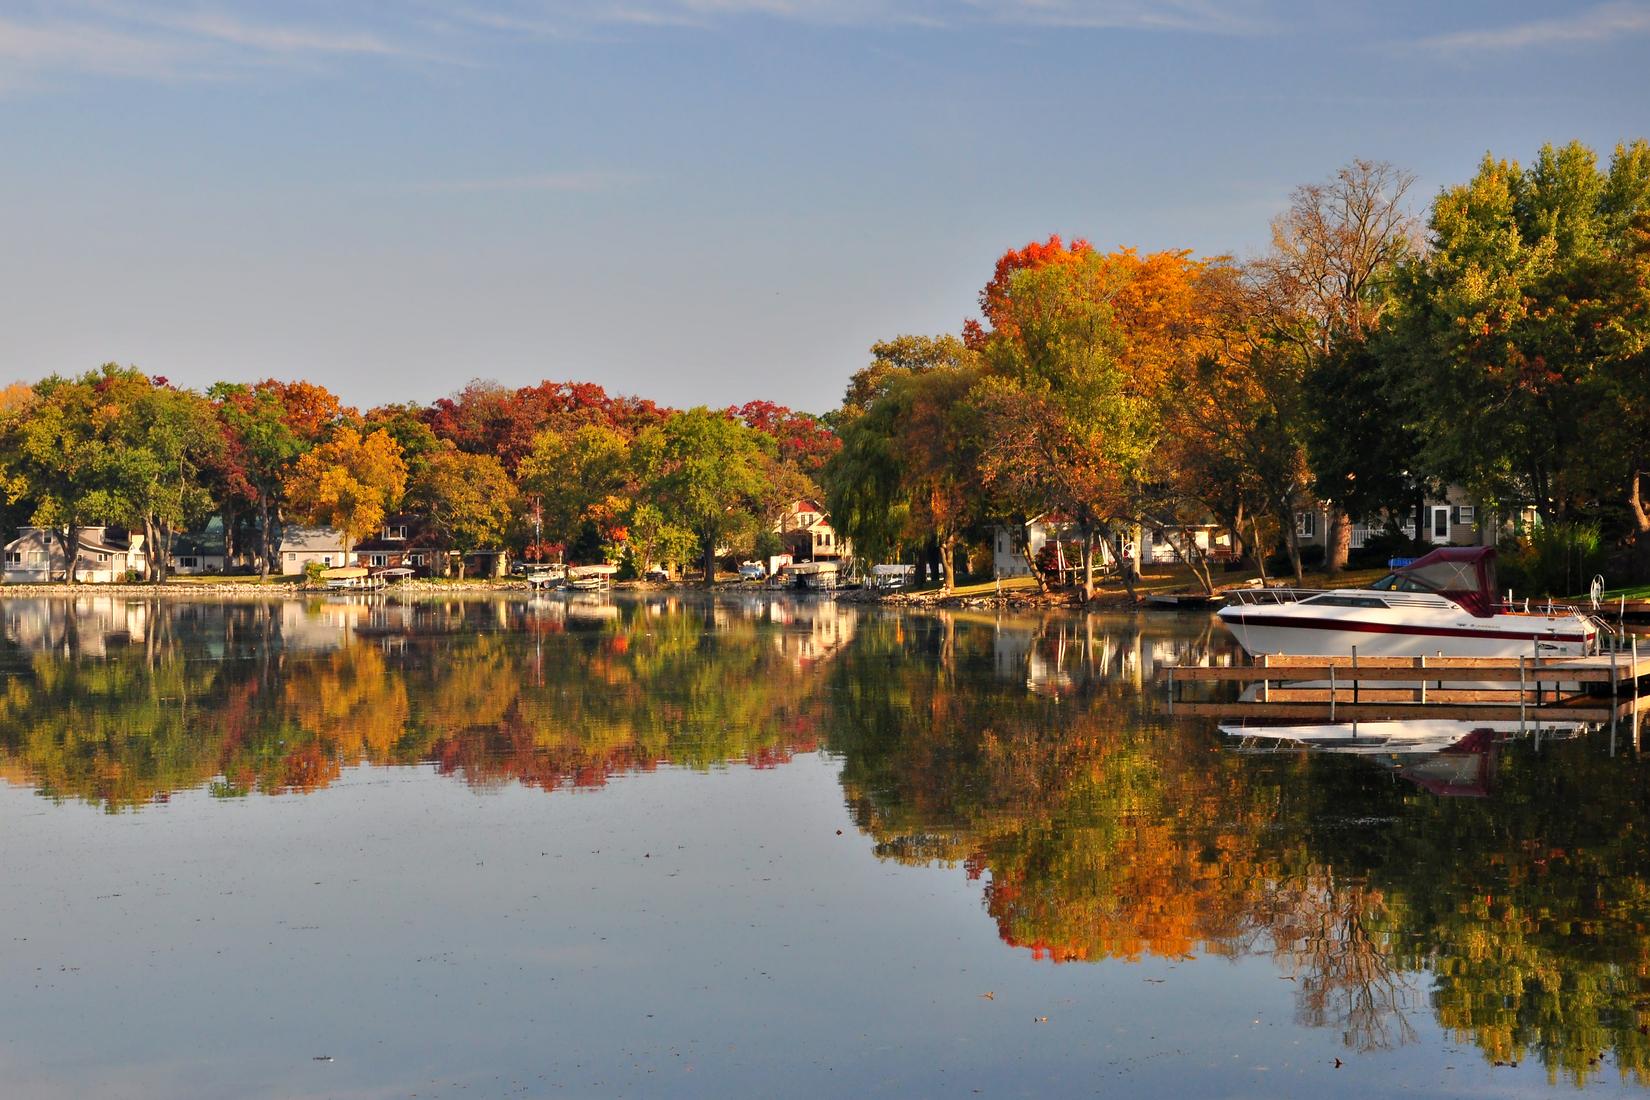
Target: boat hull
1289,630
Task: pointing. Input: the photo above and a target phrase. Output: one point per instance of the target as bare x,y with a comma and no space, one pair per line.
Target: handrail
1255,596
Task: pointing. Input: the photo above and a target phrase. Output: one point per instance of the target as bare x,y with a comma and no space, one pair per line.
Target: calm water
501,847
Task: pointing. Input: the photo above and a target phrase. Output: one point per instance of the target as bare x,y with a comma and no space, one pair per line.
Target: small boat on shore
1444,602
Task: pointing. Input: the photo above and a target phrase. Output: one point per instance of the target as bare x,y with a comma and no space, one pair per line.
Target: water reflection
1030,754
1103,833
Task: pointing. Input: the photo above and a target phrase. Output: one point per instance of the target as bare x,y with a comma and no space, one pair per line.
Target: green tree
578,478
466,501
711,477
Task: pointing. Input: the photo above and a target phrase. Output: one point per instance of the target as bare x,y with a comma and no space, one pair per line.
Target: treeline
1362,363
543,470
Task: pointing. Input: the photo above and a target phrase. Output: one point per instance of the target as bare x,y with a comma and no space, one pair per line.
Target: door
1440,523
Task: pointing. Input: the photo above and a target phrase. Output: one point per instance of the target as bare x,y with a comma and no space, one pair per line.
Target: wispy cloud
219,39
114,38
1595,24
1194,16
568,182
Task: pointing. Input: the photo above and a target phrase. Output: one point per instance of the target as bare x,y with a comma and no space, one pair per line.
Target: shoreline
1015,599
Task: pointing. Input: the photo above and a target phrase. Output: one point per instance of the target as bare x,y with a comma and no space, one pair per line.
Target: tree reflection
1103,833
278,698
1028,753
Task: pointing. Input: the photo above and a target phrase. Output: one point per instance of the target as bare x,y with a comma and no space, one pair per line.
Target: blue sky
699,201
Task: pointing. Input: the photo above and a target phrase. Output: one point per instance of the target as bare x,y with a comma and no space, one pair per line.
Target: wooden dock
1601,688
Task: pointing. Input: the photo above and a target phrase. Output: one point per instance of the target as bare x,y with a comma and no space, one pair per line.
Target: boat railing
1265,596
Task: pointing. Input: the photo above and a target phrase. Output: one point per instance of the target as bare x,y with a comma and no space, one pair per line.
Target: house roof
310,539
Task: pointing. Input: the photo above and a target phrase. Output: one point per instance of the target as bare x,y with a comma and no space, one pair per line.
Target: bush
1379,549
1555,559
1278,564
313,572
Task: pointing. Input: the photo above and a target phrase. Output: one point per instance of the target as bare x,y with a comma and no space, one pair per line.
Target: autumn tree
1323,290
267,426
465,500
579,478
55,457
348,483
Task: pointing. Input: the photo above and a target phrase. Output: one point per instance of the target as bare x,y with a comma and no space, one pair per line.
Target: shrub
313,572
1554,559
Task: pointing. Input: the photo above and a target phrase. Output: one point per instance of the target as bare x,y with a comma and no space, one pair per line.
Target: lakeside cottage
302,545
1456,519
39,555
805,529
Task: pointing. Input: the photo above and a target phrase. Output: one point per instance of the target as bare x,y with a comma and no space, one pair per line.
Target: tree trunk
1338,540
71,553
1088,565
151,562
460,560
710,560
1258,549
263,536
1294,544
1031,562
1641,525
1124,571
948,547
1189,552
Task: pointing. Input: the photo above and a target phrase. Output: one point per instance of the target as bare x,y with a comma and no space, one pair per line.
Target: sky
696,201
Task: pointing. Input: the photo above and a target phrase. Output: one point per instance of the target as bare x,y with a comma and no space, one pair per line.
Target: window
326,559
1347,601
188,563
1306,524
14,557
1468,514
37,558
378,559
398,531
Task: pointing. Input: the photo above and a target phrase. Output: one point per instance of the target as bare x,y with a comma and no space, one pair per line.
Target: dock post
1331,693
1171,689
1354,674
1523,695
1615,680
1423,665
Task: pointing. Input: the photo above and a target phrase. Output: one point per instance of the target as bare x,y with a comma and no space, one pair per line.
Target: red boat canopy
1466,574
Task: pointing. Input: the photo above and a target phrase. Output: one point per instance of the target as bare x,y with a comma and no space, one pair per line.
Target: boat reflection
1445,757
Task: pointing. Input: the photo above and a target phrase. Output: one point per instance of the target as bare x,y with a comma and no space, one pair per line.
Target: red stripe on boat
1288,622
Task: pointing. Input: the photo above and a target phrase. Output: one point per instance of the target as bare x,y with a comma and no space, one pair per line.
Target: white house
37,555
302,545
805,528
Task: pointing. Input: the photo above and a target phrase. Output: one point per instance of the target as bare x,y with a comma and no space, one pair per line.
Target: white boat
1443,603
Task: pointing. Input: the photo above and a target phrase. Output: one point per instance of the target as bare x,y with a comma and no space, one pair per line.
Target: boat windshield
1397,582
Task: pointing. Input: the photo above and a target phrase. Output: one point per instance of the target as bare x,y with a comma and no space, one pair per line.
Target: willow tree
908,471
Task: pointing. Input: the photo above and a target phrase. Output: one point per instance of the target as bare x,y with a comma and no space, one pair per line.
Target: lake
665,846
